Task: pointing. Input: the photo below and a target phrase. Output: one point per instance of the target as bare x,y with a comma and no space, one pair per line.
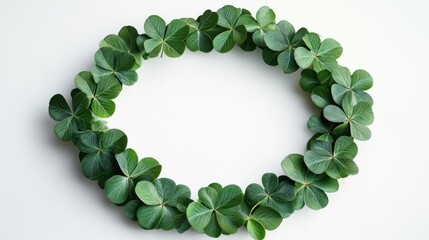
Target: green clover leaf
199,39
265,21
320,55
100,94
165,39
216,211
160,199
125,41
146,169
310,188
319,85
181,222
69,120
354,118
322,127
259,219
336,161
118,188
354,85
131,209
284,40
274,194
100,149
233,31
311,79
114,63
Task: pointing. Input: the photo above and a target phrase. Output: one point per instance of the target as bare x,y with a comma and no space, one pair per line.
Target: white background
212,117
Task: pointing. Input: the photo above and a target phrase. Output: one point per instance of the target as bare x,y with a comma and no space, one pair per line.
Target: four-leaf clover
336,161
265,21
160,199
310,188
119,64
119,187
69,120
100,149
354,118
322,55
216,211
274,194
200,38
100,94
234,32
354,85
284,40
165,39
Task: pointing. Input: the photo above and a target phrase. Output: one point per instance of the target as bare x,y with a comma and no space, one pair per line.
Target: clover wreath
160,203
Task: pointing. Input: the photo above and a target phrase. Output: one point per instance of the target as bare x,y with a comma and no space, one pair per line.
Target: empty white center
226,118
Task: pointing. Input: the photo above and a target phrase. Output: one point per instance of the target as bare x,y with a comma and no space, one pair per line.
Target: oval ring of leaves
160,203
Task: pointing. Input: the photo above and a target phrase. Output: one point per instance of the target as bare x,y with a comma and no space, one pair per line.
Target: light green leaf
148,193
127,161
334,114
154,27
255,229
198,215
294,167
303,57
147,167
209,197
117,189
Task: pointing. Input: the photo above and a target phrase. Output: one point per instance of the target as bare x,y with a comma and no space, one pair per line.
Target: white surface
230,117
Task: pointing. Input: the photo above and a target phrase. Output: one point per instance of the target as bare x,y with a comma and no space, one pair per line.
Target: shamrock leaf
234,32
131,209
274,193
125,41
146,169
165,39
160,198
336,160
100,150
181,222
310,188
319,85
70,120
284,40
200,39
118,187
321,55
259,219
100,94
311,79
354,118
114,63
215,212
354,85
322,127
265,21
